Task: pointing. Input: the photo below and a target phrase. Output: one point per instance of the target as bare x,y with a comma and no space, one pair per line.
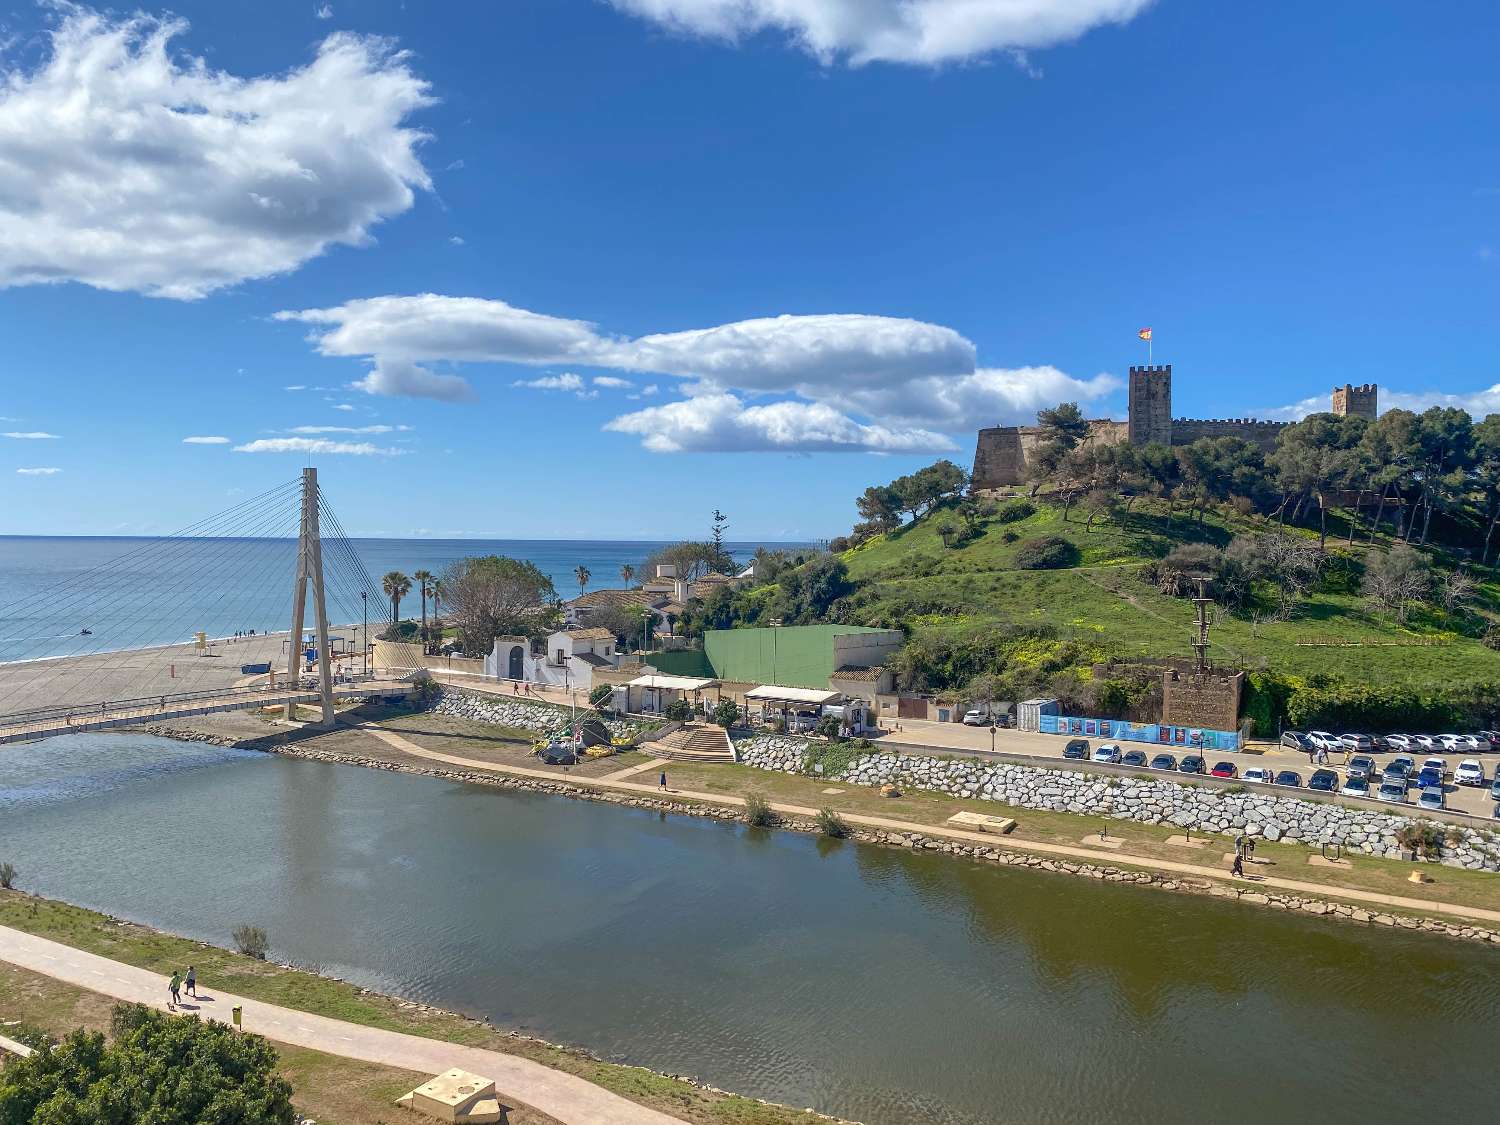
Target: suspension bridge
158,633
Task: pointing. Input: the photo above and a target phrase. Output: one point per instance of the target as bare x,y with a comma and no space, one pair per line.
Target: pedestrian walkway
653,764
888,824
566,1097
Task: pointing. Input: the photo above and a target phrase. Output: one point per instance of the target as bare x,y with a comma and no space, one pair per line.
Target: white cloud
296,387
648,391
456,240
722,423
207,440
38,472
314,445
379,429
324,12
564,382
30,435
613,382
128,167
344,406
990,396
1478,403
456,165
904,31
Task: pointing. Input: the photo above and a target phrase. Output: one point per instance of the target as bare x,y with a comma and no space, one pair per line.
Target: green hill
1101,605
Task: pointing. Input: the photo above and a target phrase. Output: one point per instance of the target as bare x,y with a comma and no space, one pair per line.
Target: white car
1259,774
1399,741
1107,752
1324,741
1439,764
1425,741
1469,772
1452,742
976,718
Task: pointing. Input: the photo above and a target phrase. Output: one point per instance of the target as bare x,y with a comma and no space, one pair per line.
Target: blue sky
803,256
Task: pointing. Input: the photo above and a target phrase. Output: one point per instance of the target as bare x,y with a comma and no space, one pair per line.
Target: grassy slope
1103,600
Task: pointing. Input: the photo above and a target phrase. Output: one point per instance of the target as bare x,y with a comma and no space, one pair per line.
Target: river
867,982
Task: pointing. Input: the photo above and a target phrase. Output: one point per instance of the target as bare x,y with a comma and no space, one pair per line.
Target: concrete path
653,764
889,824
564,1096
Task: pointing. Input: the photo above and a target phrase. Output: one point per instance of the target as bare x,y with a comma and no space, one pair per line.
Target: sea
75,595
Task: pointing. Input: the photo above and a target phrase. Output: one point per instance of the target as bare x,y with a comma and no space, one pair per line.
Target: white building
568,659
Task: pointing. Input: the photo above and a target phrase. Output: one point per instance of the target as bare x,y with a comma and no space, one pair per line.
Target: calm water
159,593
867,982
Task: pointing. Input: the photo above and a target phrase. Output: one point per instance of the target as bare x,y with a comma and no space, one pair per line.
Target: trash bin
235,1013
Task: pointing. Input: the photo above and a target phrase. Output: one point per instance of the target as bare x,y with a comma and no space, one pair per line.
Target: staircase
693,742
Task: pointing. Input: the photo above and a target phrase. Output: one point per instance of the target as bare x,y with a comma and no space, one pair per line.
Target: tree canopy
493,596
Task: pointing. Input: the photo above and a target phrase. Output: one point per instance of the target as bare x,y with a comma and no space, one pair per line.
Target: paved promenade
616,783
568,1098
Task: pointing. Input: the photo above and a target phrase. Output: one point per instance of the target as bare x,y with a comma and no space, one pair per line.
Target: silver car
1394,791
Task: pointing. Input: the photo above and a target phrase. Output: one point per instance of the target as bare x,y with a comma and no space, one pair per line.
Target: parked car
1164,762
1458,742
1496,813
1469,772
1324,781
1439,764
1495,787
1260,775
1362,765
976,717
1489,740
1225,769
1401,766
1432,798
1296,740
1357,741
1322,740
1290,778
1133,758
1423,741
1106,752
1077,749
1428,777
1355,786
1391,789
1397,741
1191,764
1383,742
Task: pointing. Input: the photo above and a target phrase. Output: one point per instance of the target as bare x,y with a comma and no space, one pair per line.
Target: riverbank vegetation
308,992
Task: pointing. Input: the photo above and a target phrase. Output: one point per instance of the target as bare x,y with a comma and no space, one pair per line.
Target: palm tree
423,579
396,586
627,572
583,576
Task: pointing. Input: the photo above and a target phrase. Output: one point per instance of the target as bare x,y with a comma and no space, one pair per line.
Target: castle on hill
1004,453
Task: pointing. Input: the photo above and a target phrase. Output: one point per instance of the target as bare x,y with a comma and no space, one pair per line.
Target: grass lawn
1104,602
290,988
330,1089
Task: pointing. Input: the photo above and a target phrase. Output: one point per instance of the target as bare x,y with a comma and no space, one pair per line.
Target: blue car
1430,777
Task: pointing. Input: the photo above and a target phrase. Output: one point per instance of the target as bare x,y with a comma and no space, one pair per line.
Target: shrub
426,692
1049,552
601,695
1174,575
726,713
679,710
1014,511
1492,637
1008,536
7,876
831,824
251,941
1232,790
401,631
830,727
758,811
1422,837
157,1068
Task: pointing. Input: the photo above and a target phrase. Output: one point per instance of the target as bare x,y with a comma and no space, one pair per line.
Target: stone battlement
1226,422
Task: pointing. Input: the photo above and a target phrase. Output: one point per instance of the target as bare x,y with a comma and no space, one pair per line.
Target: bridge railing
163,701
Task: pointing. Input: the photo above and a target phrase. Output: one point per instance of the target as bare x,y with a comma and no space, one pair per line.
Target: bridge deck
107,717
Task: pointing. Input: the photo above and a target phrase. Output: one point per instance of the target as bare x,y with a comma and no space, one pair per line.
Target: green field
1104,604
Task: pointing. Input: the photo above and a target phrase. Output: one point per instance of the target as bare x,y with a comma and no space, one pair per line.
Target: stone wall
1209,700
1358,402
1255,811
1185,431
1003,454
1151,405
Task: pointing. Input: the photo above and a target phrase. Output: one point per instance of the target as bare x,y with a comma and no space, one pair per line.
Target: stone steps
694,742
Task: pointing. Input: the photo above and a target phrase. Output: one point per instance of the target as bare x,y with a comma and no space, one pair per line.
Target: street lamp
992,734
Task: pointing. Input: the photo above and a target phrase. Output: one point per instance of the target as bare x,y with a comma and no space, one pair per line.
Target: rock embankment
518,714
1249,811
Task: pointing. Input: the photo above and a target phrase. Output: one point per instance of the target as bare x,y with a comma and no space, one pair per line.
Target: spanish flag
1144,333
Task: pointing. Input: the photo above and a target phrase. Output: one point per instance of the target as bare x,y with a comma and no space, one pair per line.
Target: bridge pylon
310,568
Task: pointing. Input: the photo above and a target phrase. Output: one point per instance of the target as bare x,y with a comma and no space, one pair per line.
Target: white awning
673,683
814,696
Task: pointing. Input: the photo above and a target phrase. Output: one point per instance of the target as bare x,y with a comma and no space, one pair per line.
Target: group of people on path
521,687
179,982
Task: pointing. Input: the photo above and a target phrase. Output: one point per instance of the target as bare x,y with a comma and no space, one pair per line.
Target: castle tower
1358,402
1151,404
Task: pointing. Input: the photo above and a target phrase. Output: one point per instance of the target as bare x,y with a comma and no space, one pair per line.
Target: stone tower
1151,404
1359,402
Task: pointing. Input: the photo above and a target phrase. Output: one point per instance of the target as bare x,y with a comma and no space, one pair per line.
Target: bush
679,710
158,1068
1049,552
601,695
7,876
1421,837
1492,637
831,824
758,811
1014,511
1008,536
251,941
830,727
726,713
401,631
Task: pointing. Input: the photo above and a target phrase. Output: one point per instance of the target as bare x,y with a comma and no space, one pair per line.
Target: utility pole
310,565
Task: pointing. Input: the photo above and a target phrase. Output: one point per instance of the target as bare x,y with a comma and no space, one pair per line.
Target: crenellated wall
1185,431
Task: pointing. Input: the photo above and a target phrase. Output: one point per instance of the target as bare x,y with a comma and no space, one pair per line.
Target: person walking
1238,870
174,987
662,781
191,982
